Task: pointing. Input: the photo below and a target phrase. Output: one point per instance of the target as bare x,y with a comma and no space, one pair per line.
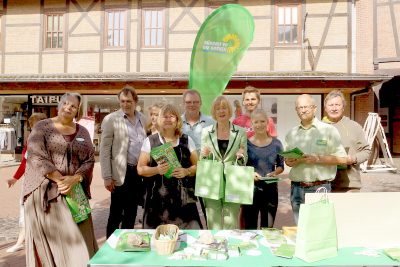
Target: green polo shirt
319,139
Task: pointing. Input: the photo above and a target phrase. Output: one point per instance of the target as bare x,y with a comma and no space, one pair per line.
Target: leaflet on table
285,251
166,154
294,153
133,241
393,253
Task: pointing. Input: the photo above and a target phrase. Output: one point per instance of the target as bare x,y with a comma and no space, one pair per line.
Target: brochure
133,241
294,153
285,251
393,253
270,179
166,153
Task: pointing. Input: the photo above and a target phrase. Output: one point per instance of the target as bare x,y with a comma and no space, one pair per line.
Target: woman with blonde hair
61,156
263,151
154,110
171,200
227,143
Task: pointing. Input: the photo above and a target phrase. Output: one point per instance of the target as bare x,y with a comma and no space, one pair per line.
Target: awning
171,83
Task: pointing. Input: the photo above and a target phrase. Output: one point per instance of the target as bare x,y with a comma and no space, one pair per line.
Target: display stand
374,133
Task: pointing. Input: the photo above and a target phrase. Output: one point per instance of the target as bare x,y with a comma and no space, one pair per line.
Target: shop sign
45,99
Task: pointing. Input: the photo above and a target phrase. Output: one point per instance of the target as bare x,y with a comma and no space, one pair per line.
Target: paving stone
372,182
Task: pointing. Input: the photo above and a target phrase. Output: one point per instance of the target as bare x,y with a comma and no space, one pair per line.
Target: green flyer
166,153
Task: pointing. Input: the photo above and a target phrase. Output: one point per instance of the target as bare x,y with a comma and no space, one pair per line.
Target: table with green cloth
108,256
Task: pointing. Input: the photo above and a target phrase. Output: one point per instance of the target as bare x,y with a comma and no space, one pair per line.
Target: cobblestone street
372,182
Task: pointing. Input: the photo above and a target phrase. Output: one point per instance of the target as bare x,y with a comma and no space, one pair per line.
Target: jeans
297,196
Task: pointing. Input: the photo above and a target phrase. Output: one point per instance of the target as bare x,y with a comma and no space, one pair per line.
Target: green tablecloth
107,256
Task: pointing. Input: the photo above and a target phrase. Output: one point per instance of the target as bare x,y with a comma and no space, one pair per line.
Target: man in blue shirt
194,122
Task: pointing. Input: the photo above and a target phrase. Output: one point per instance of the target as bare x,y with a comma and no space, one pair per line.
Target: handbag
78,203
239,186
209,179
316,231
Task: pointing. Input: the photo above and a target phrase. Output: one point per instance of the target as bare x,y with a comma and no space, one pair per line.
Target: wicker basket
165,247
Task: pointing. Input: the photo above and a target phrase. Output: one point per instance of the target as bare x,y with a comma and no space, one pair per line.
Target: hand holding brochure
294,153
270,179
166,154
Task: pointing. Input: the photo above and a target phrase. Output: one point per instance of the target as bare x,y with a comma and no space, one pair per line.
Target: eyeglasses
305,107
171,117
334,105
192,102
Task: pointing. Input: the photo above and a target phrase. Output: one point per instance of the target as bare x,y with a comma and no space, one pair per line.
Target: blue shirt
136,134
265,159
194,131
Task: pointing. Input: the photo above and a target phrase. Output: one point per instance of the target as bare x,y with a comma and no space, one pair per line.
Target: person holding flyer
171,199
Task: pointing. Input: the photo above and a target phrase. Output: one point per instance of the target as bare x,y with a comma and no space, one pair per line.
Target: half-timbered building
95,47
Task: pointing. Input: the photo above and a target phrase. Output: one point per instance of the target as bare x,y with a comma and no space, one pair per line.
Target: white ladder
374,131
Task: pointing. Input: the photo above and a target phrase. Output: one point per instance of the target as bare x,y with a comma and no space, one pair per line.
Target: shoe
15,248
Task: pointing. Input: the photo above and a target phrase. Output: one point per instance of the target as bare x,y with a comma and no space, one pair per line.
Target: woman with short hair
226,143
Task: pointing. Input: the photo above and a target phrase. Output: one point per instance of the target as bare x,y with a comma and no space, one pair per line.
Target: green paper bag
78,203
239,187
316,231
209,179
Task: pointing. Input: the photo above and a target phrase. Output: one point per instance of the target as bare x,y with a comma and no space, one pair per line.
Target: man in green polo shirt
322,148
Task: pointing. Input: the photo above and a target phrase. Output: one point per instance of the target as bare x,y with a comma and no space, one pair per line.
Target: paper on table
285,251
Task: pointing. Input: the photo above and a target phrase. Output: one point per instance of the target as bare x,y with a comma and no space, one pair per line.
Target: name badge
80,139
322,142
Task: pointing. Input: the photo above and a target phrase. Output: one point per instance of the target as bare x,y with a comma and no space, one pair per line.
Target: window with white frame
288,24
153,24
115,28
54,32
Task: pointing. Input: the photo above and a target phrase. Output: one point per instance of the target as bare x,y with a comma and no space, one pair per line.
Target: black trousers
124,202
265,203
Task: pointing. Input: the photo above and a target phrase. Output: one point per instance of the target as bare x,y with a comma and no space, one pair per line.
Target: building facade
94,47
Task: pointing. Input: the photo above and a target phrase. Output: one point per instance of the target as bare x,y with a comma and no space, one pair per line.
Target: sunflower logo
233,42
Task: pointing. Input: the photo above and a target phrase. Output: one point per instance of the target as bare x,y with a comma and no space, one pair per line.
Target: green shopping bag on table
78,203
316,230
239,186
209,179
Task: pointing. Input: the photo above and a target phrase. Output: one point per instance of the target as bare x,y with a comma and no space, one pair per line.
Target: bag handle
213,156
322,190
237,158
